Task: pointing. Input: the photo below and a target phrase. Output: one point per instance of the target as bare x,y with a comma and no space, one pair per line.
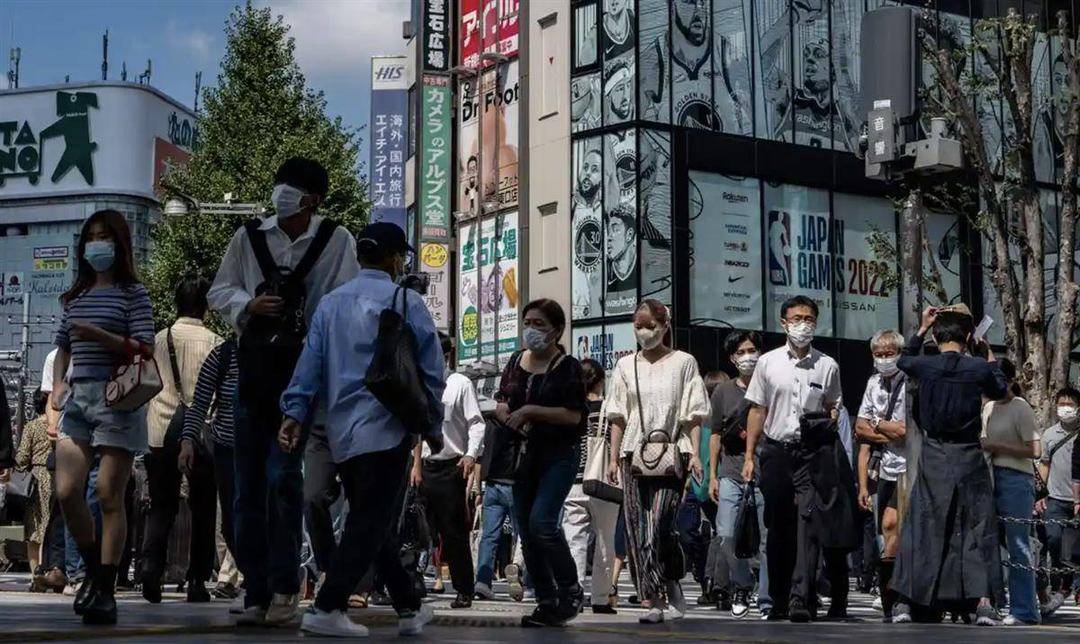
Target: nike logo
732,280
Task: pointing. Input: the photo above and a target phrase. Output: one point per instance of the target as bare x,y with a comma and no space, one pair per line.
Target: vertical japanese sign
389,122
488,294
435,159
435,262
436,35
500,23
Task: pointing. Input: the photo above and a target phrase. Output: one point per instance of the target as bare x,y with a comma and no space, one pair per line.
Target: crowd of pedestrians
753,480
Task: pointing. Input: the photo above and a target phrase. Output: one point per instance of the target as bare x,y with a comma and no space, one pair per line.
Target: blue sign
388,130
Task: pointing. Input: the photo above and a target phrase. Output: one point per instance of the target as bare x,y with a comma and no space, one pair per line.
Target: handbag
175,430
22,484
598,459
657,456
133,383
394,374
747,530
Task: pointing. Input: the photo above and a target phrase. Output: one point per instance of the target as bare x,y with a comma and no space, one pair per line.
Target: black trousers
321,490
374,485
225,476
793,543
448,512
163,478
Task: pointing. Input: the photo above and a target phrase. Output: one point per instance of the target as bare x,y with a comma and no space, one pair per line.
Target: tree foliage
259,114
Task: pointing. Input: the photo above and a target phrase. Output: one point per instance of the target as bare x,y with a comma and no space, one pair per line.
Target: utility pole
911,262
198,89
13,72
105,56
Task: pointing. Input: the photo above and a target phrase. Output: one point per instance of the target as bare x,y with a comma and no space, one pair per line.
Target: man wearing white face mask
1056,469
274,273
880,429
795,396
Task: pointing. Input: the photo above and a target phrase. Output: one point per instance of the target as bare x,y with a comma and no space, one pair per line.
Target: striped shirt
122,310
206,390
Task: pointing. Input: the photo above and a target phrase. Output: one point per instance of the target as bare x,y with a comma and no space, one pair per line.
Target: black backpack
289,329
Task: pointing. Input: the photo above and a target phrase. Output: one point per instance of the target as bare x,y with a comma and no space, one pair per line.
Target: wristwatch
874,422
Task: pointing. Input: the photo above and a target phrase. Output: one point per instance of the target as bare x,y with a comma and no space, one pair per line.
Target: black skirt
949,540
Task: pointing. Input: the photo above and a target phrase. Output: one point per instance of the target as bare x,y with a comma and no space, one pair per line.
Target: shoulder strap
174,364
257,237
640,407
315,250
1061,443
894,395
224,362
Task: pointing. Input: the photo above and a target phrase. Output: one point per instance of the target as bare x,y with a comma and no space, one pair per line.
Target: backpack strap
224,362
174,364
311,255
257,237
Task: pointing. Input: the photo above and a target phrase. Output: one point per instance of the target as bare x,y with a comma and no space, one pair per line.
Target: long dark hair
123,267
592,373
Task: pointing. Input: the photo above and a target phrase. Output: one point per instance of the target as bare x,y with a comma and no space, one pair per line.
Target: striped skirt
651,507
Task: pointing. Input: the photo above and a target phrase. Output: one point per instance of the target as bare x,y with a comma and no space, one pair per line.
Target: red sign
166,155
500,23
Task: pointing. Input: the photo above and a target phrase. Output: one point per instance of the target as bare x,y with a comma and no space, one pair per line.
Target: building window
548,238
725,247
617,43
551,62
585,102
586,49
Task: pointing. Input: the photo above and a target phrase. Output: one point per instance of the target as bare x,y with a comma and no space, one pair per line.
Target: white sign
864,304
435,263
75,139
604,343
389,72
488,289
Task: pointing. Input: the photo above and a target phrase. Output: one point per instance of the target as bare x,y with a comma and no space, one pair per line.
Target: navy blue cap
384,237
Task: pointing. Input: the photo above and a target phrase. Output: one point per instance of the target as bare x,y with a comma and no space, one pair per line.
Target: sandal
613,597
358,601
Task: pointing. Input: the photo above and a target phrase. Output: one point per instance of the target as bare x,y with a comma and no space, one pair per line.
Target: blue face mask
100,255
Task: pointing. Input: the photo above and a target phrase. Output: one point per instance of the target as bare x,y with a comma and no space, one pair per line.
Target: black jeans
792,544
163,478
448,511
225,475
321,490
374,485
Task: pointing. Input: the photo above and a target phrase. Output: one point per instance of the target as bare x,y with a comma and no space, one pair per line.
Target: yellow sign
51,264
434,255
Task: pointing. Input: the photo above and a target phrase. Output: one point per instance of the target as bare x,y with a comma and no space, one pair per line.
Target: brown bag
658,455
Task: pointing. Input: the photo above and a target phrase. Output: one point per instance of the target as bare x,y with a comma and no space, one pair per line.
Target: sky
335,40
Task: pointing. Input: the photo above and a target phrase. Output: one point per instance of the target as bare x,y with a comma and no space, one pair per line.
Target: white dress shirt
790,386
875,403
463,424
239,274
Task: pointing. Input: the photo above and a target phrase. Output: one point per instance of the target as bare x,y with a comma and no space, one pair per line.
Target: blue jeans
498,504
269,504
740,575
1014,496
539,494
1057,510
74,567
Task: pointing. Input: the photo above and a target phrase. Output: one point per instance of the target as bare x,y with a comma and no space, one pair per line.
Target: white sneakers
413,623
333,624
513,578
251,616
483,591
284,610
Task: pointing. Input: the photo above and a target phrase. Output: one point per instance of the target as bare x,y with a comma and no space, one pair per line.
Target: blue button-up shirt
337,352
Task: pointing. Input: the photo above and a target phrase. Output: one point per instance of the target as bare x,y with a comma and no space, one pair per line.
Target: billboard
493,106
435,263
488,289
435,159
389,123
499,21
436,35
604,343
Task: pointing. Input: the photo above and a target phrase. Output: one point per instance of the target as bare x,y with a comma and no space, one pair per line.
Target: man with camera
881,430
274,273
795,396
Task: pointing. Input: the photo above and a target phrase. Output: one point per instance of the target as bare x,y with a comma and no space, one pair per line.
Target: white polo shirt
790,387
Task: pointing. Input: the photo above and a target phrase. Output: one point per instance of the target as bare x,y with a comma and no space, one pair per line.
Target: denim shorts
88,420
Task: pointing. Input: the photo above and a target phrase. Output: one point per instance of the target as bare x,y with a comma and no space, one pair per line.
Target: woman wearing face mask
107,319
660,388
542,397
727,449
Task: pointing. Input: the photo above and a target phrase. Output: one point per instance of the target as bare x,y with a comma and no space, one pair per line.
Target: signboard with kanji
436,35
435,159
500,24
488,289
388,130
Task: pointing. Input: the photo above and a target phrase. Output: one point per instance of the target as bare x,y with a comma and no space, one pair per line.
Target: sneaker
412,622
461,601
513,579
70,590
333,624
877,605
380,599
740,607
530,594
1056,601
1013,620
723,601
544,615
901,613
673,613
799,613
225,591
603,609
483,592
197,593
237,607
676,599
633,600
654,616
986,615
571,604
778,615
251,616
837,613
284,610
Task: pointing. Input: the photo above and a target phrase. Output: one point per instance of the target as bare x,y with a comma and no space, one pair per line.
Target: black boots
92,561
197,593
100,606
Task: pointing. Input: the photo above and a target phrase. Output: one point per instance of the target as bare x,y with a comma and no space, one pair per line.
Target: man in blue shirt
369,445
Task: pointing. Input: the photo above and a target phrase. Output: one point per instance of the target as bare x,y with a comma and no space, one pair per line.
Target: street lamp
180,205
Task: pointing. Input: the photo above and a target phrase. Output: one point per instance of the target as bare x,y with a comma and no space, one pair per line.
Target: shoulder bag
658,455
175,430
595,482
134,382
1042,487
747,530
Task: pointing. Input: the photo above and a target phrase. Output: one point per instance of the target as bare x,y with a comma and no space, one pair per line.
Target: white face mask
535,340
650,338
286,200
886,366
746,363
801,334
1067,414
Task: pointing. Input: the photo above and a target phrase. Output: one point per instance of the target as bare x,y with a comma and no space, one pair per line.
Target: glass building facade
712,169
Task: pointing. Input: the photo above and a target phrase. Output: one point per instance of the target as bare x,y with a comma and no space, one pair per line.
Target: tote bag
595,482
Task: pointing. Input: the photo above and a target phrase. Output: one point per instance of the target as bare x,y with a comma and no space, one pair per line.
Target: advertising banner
495,108
799,240
587,236
389,123
435,159
488,295
435,263
864,304
499,19
604,343
436,35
